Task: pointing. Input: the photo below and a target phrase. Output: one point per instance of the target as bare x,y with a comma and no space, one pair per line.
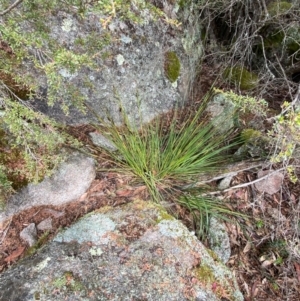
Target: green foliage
68,282
5,187
41,241
276,8
286,132
250,134
160,159
293,42
46,56
167,157
123,9
241,77
278,247
203,208
260,224
273,39
172,66
30,145
245,103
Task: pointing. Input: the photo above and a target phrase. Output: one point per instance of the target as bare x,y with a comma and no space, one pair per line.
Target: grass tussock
168,156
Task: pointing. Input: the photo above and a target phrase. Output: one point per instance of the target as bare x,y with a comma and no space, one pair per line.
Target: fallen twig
5,231
10,7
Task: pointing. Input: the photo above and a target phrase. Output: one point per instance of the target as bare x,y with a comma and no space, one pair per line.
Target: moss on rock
172,66
250,134
68,282
276,8
240,76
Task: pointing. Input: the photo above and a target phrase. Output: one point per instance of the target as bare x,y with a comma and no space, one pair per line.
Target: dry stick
254,181
266,61
248,183
5,232
11,7
234,172
289,86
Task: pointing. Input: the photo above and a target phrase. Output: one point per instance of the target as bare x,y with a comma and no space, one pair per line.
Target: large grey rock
129,61
134,252
68,183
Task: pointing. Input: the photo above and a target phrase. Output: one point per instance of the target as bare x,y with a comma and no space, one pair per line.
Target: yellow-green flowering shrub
245,103
286,133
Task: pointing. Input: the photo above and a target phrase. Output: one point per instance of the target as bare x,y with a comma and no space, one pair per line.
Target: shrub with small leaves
286,136
246,103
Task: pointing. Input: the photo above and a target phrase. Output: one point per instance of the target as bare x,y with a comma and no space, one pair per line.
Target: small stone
270,184
46,224
100,140
225,183
29,234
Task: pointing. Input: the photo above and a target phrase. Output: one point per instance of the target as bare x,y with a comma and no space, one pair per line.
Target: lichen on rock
139,258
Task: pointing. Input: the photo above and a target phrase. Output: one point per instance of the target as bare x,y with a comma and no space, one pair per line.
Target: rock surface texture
71,180
134,252
130,67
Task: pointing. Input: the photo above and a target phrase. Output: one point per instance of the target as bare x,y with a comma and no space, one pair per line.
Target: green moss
184,3
205,274
274,39
250,134
213,255
241,77
278,8
163,214
172,66
41,241
9,178
37,296
293,41
69,282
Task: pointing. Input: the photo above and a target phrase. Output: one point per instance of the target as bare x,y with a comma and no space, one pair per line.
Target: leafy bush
245,103
30,145
30,142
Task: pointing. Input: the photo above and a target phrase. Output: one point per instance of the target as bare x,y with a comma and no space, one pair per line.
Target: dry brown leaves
264,266
110,189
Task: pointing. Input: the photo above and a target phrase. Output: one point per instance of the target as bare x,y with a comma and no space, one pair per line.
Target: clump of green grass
167,159
202,208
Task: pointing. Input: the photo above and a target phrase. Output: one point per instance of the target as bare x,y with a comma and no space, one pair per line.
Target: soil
265,253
